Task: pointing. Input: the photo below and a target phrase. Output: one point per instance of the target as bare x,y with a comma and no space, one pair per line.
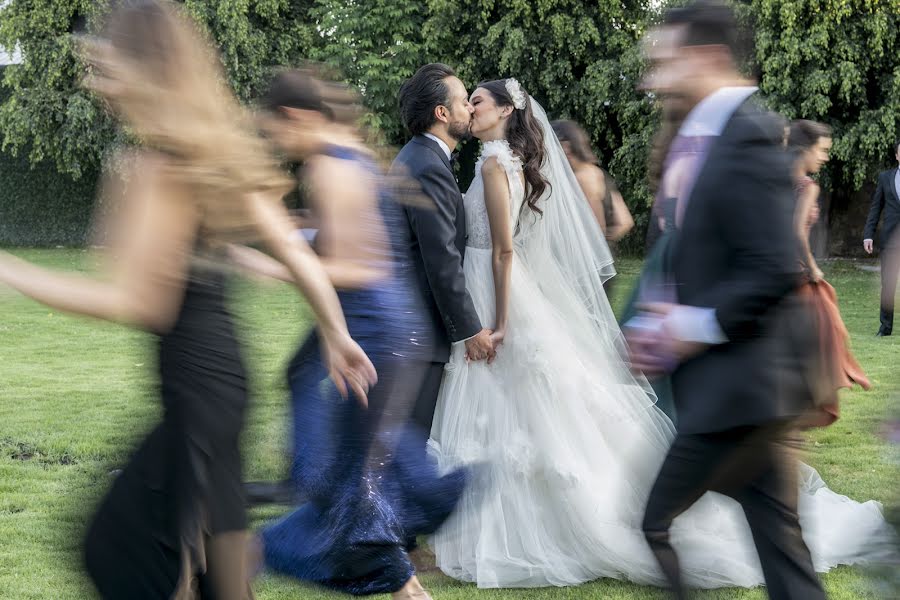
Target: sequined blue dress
364,473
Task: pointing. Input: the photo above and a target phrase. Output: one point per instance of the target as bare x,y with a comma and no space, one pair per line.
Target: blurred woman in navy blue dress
362,471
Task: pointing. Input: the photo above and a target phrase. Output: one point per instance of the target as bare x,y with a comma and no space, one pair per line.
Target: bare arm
803,221
342,274
146,282
497,201
623,221
259,263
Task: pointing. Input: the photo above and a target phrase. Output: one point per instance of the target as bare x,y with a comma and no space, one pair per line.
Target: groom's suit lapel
433,146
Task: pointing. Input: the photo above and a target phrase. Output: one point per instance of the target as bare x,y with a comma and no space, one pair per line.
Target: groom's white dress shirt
441,143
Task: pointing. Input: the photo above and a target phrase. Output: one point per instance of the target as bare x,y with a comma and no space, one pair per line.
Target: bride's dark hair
526,138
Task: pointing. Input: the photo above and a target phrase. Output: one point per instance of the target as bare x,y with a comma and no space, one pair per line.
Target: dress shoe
883,333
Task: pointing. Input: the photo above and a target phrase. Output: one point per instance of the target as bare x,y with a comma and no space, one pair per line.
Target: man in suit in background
886,202
731,268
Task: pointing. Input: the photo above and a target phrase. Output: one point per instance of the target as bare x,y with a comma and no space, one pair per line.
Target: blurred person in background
886,203
363,472
174,523
809,144
599,188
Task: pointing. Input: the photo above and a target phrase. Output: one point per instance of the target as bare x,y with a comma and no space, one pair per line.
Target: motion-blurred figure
599,188
808,144
173,522
728,268
362,469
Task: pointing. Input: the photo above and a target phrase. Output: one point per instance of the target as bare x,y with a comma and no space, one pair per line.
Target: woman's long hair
169,89
579,143
804,134
526,138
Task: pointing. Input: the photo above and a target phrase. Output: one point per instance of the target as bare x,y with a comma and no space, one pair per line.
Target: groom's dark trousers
437,246
735,252
756,466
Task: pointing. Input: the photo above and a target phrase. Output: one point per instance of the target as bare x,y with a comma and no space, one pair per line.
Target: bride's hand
496,339
348,365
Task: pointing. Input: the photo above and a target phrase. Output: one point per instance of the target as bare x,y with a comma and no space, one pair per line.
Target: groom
730,268
435,109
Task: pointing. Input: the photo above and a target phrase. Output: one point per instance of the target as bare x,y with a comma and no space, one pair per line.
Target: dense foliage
832,60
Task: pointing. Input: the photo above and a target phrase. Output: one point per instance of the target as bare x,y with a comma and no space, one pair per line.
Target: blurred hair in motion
173,523
363,474
157,72
724,317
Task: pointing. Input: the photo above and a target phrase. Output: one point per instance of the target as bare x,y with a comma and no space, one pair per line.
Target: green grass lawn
76,394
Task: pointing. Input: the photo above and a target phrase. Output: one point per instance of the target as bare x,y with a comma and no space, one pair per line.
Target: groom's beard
460,131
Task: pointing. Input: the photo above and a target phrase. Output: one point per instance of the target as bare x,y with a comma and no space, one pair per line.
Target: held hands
348,365
868,246
497,338
481,346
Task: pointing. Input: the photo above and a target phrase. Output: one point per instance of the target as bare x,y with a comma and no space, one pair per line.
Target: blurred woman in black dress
173,524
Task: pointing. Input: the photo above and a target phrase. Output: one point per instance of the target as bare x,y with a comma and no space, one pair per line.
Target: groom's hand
480,347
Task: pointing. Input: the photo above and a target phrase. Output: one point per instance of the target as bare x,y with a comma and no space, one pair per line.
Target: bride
570,439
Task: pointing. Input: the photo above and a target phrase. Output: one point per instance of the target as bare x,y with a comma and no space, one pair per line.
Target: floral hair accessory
518,95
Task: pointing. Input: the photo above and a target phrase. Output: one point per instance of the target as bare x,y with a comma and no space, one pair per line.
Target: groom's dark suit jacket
437,237
736,252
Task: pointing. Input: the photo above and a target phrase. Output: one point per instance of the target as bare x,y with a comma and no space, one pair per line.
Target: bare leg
226,559
255,556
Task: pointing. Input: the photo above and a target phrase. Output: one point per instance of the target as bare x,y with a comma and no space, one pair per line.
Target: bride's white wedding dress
570,444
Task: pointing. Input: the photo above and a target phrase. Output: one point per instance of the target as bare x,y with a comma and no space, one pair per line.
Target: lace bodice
477,225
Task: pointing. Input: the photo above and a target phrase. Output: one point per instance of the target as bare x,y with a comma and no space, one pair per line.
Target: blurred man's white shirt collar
711,114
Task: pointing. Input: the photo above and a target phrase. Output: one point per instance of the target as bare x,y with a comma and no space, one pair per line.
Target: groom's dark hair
421,93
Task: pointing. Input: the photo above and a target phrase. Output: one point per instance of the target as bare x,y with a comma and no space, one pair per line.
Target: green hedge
40,207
